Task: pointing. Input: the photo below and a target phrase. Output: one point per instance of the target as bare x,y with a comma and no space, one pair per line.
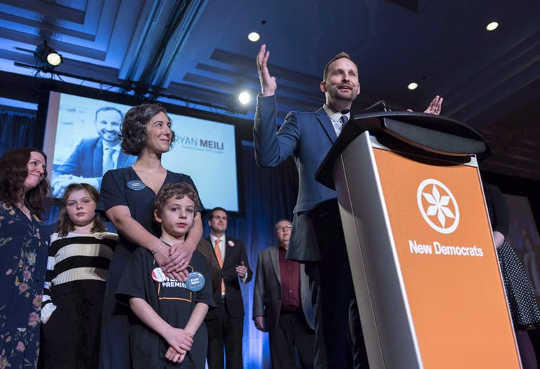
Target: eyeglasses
282,228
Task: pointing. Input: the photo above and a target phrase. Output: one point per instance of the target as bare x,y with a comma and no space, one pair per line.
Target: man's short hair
341,55
216,209
178,191
281,220
108,108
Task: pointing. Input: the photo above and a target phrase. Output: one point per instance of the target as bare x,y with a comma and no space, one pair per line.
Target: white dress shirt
335,118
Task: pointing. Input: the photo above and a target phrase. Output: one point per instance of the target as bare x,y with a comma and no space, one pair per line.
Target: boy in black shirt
166,329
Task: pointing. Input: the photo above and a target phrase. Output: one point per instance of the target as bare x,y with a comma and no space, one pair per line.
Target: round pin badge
195,281
135,185
158,275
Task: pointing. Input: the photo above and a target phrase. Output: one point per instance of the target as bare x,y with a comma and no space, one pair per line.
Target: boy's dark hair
341,55
65,225
134,127
178,191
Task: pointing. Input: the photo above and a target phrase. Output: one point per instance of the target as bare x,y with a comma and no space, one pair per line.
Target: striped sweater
74,258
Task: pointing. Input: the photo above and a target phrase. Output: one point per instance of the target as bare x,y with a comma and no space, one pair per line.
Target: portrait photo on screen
88,142
83,141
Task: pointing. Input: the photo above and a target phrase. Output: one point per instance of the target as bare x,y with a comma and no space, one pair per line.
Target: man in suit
94,156
282,304
317,237
225,322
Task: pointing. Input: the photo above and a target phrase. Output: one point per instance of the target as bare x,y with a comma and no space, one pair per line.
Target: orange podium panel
423,261
443,240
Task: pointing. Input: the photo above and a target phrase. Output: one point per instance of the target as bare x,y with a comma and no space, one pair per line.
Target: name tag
135,185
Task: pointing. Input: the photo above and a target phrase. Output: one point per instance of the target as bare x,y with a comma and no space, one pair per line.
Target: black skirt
519,288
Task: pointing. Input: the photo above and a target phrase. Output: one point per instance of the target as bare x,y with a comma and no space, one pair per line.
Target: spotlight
244,97
254,37
412,86
53,58
492,26
47,57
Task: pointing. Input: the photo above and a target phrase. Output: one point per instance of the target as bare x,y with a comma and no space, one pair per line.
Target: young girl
166,331
79,257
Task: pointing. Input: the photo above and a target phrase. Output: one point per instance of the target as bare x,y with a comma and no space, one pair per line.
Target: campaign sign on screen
207,152
83,140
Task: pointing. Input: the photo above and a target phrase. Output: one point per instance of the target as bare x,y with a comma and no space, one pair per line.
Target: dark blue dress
23,261
124,187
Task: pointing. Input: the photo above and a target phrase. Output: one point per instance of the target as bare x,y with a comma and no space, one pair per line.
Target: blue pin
195,281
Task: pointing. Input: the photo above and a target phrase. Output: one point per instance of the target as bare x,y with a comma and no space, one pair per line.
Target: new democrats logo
438,206
440,210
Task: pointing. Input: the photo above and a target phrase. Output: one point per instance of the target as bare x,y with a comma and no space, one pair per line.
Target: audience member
282,304
225,322
23,255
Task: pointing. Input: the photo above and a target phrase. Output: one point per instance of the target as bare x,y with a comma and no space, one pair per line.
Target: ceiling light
244,97
254,37
412,86
53,58
492,26
46,57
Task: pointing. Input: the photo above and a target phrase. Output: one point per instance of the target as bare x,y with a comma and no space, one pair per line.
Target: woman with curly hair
23,255
127,197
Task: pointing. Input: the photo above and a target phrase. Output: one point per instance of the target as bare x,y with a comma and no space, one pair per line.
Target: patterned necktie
343,120
108,162
219,257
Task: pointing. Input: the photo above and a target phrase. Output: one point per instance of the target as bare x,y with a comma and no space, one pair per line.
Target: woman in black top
127,197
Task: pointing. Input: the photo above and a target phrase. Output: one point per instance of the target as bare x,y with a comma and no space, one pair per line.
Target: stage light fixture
47,57
254,37
244,97
492,26
53,58
412,86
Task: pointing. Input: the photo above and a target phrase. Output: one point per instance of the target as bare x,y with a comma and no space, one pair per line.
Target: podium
419,241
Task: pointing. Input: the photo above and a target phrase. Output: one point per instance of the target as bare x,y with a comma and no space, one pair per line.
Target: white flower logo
438,205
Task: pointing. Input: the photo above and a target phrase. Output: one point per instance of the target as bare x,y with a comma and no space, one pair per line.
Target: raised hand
268,83
434,106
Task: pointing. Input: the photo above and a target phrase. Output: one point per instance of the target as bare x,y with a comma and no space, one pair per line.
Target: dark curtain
17,130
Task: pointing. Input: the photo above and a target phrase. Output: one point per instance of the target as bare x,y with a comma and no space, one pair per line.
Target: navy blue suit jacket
87,159
307,136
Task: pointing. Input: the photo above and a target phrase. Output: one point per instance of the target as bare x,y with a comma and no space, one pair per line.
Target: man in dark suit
94,156
317,237
225,322
282,304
